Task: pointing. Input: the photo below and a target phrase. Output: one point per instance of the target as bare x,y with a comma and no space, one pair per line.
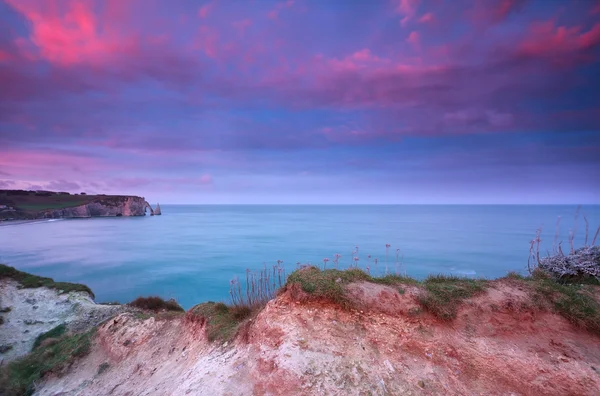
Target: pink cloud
545,39
358,60
414,39
73,36
486,11
207,41
205,10
408,9
426,18
206,179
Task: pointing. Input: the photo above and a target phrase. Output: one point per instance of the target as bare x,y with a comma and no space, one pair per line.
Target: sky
303,101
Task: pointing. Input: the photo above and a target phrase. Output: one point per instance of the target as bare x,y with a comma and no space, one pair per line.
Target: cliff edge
345,333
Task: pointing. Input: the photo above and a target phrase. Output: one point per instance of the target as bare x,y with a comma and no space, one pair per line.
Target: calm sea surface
191,252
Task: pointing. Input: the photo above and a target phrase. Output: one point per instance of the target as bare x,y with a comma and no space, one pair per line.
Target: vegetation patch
327,285
56,332
19,376
444,294
103,367
222,321
575,302
33,281
156,304
392,280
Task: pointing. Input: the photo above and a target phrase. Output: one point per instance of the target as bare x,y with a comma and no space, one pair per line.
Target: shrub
222,321
103,367
155,303
54,333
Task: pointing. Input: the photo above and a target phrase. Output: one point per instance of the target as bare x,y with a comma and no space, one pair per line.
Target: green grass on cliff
441,296
33,281
18,377
444,294
56,332
574,301
327,285
222,321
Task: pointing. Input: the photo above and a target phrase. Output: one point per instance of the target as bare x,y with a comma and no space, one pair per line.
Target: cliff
380,336
102,207
20,204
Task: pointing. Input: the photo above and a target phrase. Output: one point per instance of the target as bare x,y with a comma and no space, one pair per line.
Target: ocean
191,252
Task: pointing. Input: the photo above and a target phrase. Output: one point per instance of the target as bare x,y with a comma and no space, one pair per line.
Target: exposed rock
157,211
24,321
107,206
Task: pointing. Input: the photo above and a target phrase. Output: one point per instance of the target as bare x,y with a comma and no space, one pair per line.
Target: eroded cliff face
500,344
103,207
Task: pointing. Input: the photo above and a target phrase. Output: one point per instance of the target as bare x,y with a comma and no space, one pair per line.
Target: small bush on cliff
33,281
54,333
156,304
444,294
222,321
19,376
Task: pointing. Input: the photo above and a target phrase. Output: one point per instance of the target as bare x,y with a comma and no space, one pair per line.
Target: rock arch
147,205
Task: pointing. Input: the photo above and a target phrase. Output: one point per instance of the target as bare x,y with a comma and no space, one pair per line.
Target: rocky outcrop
28,312
103,207
157,211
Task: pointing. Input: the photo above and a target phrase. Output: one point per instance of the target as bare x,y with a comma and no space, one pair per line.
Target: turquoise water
191,252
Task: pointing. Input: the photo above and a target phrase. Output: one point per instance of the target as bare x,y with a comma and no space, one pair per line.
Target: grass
444,294
156,304
56,332
329,285
52,205
18,377
222,321
573,301
392,280
33,281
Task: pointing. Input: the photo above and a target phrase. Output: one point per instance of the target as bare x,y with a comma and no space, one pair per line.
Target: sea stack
157,210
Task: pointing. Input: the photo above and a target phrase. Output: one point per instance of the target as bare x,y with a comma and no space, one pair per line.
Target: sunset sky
303,101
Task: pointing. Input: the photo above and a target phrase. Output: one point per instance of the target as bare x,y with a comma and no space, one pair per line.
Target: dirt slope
498,345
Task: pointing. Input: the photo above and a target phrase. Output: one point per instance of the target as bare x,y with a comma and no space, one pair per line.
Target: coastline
6,223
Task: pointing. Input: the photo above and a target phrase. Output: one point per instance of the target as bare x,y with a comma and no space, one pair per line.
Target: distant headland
32,205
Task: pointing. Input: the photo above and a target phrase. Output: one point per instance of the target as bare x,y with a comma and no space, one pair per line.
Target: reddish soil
500,344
